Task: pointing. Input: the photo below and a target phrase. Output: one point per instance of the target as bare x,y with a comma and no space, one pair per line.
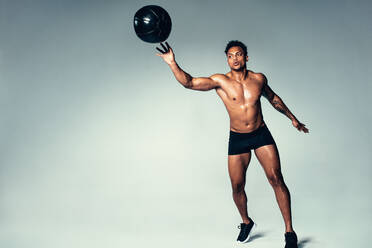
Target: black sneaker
290,240
245,231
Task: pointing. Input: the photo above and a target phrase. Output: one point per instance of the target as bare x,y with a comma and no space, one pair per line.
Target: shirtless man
240,90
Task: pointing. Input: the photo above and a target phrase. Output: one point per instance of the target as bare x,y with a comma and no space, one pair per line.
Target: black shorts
244,142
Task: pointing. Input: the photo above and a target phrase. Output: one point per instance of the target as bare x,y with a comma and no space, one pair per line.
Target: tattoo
280,106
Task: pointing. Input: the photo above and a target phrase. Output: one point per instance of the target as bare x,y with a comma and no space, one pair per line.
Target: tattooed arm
279,105
276,101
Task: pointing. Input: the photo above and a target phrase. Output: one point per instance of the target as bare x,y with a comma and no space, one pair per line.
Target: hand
167,54
300,127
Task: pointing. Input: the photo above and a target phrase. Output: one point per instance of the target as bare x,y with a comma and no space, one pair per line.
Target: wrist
172,63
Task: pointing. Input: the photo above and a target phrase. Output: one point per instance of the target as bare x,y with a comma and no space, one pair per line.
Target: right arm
189,82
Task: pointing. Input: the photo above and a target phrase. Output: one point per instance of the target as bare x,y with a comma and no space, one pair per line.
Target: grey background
102,147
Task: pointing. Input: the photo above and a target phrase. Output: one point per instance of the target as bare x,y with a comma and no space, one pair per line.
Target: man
240,90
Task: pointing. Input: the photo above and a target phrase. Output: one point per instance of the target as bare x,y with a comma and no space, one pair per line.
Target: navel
234,98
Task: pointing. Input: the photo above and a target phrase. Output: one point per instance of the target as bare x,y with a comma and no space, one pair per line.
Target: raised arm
279,105
189,82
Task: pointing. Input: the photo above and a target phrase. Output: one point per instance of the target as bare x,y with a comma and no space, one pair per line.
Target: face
236,58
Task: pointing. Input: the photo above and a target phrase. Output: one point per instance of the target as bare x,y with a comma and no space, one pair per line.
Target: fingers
300,127
304,129
166,48
160,50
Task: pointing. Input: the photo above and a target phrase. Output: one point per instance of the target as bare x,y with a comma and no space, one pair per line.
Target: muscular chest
244,92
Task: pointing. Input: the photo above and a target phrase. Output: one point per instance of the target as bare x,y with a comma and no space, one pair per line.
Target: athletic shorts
244,142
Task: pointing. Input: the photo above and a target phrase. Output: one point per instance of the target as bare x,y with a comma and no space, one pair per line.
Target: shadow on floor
257,235
303,242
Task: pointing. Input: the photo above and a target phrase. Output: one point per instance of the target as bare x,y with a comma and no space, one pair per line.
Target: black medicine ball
152,24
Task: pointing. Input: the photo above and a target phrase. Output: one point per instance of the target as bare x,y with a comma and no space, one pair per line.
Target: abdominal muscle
242,102
245,119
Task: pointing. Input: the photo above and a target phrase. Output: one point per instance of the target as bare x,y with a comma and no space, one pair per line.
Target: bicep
267,91
204,83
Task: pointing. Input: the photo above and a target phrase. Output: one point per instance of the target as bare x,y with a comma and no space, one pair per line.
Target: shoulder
219,78
260,77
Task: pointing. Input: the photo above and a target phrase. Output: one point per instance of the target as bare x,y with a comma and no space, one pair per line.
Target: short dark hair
233,43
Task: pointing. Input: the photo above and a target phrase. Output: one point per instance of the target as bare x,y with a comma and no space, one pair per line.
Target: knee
237,187
276,179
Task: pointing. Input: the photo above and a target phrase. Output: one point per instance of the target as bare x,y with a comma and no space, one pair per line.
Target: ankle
289,228
247,221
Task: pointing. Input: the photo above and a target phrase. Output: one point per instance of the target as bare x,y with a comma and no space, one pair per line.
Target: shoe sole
249,235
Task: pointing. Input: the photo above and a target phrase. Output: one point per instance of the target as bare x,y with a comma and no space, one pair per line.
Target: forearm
183,77
279,105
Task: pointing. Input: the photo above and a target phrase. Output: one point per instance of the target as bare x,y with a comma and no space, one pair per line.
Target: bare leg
268,156
238,165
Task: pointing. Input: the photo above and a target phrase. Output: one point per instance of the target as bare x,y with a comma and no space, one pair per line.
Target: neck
239,75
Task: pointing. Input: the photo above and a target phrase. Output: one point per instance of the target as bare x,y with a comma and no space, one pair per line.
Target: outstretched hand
300,127
167,54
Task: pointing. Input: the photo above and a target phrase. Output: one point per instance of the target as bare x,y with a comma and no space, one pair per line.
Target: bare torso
240,89
242,101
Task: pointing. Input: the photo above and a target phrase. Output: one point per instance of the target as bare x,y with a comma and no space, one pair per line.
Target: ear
247,58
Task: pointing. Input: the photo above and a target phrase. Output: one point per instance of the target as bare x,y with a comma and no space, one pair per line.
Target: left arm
279,105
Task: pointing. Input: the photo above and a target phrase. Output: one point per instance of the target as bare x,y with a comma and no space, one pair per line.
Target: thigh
268,156
238,165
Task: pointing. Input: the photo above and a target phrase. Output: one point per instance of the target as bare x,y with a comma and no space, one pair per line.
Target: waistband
254,132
